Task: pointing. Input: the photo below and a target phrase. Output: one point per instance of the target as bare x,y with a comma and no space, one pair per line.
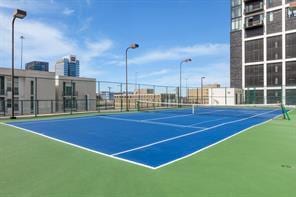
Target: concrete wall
225,96
84,93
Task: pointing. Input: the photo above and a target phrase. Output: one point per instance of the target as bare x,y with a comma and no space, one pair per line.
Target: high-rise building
37,65
67,66
263,50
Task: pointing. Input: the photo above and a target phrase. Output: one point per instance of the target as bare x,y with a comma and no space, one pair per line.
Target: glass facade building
37,65
68,66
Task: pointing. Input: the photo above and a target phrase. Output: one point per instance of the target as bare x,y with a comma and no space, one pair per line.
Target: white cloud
68,11
86,24
214,73
92,51
95,49
154,74
178,53
35,6
48,43
42,41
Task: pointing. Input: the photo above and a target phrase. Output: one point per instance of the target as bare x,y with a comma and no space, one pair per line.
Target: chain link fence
35,96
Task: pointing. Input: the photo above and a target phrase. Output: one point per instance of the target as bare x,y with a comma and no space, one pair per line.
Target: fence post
167,94
197,95
35,107
154,97
4,107
22,107
121,97
71,112
99,96
225,96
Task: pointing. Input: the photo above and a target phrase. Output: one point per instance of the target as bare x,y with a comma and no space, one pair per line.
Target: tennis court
152,138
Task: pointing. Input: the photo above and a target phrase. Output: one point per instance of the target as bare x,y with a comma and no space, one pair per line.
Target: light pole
180,87
132,46
22,40
201,88
20,14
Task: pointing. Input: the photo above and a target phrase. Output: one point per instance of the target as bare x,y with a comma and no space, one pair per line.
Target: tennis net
167,108
243,110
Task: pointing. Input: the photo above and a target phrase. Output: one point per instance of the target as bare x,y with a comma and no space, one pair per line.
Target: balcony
254,7
70,93
254,21
8,90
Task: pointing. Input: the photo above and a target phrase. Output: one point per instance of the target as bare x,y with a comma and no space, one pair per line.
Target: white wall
225,96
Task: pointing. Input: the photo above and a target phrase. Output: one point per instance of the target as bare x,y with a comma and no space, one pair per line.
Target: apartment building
263,50
39,92
75,94
34,91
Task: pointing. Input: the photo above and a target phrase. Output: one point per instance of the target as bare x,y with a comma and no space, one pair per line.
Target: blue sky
99,31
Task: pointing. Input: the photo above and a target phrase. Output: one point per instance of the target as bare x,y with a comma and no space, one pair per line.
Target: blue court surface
150,139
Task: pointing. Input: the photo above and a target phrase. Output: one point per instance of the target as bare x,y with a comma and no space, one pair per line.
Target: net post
285,113
193,109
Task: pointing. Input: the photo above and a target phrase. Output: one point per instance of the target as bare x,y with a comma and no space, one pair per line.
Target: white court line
25,122
188,134
208,121
81,147
168,117
150,122
218,142
125,160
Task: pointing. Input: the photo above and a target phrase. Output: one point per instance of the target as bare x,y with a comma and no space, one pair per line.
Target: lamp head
134,46
187,60
19,14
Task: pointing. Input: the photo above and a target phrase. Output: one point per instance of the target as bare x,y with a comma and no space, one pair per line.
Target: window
291,97
254,51
2,91
274,74
291,73
274,96
254,76
276,68
32,104
270,16
291,12
32,87
254,96
236,3
291,45
274,48
8,85
16,103
236,24
236,12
